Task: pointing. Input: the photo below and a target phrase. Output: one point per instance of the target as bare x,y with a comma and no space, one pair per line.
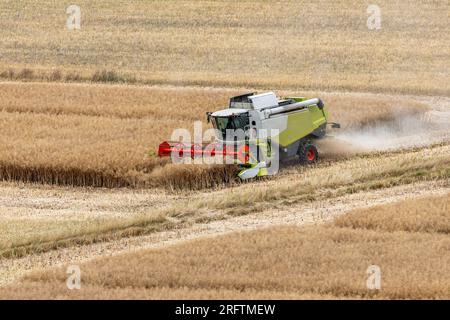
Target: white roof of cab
264,100
228,112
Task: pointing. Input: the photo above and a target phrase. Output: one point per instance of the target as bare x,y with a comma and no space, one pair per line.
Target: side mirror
208,117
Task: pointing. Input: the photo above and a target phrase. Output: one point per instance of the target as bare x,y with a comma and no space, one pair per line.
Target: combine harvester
258,131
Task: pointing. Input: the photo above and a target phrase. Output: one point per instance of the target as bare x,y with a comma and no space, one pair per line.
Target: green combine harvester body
266,130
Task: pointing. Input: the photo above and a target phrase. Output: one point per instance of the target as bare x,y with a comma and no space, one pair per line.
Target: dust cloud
401,132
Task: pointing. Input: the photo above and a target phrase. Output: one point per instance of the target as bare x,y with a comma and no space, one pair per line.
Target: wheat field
279,262
107,136
322,45
82,113
80,216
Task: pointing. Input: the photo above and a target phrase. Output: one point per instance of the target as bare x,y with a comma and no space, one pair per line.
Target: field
107,136
299,45
82,113
411,249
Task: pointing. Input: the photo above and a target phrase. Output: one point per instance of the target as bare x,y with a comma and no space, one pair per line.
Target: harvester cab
259,130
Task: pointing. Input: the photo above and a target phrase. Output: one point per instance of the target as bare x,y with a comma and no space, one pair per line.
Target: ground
82,113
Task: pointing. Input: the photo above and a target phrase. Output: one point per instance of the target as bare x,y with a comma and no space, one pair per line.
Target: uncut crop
100,135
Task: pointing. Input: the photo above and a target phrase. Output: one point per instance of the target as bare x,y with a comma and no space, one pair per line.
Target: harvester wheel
308,153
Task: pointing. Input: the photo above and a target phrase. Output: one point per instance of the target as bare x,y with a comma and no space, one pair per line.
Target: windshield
231,123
